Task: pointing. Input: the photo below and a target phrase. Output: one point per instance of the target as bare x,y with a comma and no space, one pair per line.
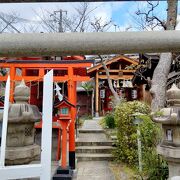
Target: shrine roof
112,60
56,104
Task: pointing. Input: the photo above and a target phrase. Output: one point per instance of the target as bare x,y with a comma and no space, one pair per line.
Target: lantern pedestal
169,118
64,172
64,111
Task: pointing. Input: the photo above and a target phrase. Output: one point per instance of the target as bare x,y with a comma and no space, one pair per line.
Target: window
65,111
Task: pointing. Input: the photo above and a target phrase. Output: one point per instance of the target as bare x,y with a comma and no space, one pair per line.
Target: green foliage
154,166
109,120
126,150
87,87
127,136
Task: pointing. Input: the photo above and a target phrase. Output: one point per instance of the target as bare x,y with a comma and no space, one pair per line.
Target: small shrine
121,71
169,117
64,109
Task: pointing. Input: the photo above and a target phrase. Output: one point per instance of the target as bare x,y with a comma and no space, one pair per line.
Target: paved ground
93,170
91,125
88,170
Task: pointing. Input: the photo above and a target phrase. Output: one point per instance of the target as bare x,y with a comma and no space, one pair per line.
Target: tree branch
116,96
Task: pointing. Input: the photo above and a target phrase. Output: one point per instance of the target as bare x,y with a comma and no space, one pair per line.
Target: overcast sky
119,12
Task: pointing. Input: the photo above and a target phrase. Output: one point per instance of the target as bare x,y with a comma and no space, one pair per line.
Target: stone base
21,155
54,143
63,174
174,169
96,114
172,156
169,152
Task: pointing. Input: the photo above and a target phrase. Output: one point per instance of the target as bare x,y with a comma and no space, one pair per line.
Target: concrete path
93,170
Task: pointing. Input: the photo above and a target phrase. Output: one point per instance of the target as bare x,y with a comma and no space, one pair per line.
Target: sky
120,13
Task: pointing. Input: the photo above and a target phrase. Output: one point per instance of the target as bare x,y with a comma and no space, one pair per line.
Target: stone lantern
20,147
169,117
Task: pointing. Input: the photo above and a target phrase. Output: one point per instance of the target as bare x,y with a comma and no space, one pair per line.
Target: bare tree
149,20
99,26
79,21
160,76
8,22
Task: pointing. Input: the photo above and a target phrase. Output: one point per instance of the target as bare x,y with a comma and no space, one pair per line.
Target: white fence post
46,139
5,122
42,170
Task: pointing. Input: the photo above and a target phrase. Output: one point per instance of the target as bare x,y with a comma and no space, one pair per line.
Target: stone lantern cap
21,111
21,92
173,95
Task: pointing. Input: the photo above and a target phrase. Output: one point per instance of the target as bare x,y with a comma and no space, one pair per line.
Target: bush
109,120
126,150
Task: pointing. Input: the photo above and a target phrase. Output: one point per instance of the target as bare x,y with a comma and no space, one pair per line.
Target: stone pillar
170,120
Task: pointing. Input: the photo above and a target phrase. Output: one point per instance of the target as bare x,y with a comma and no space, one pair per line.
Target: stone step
114,138
98,143
91,131
94,157
62,177
94,149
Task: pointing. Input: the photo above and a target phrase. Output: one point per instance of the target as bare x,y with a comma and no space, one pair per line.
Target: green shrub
154,166
126,150
109,120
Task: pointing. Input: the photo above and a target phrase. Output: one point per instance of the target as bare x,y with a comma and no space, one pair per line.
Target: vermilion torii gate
70,71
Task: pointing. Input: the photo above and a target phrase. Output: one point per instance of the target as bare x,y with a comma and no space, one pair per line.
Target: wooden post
64,144
97,95
23,72
72,100
12,83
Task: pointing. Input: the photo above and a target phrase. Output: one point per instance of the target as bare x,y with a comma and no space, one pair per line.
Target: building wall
145,95
84,101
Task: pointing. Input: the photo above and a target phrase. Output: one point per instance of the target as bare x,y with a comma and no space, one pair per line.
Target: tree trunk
159,80
171,14
158,90
115,94
92,103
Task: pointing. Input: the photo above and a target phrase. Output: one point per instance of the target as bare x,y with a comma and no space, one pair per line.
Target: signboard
102,93
169,134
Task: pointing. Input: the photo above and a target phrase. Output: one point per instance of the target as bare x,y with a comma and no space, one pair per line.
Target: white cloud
31,11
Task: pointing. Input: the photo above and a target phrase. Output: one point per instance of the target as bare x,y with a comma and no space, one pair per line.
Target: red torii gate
67,70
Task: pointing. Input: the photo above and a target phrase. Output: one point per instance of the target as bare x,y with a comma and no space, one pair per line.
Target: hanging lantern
134,94
115,83
124,84
118,86
130,85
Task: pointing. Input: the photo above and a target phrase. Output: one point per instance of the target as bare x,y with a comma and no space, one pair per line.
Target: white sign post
42,170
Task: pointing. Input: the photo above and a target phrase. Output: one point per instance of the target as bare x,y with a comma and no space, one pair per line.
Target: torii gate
73,71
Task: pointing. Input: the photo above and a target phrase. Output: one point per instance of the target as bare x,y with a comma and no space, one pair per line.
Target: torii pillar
72,97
